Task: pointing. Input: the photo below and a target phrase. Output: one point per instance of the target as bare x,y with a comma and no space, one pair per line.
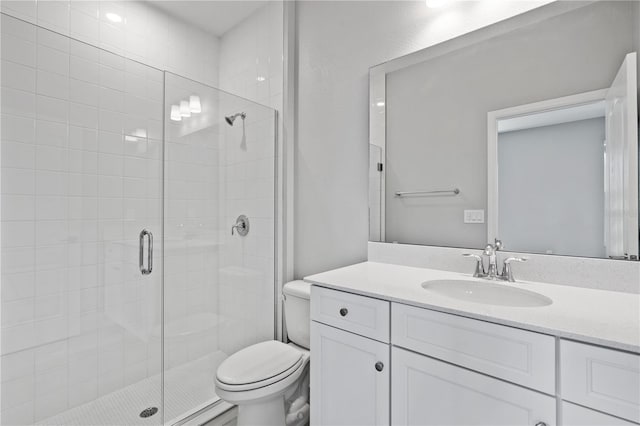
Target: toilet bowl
269,381
260,378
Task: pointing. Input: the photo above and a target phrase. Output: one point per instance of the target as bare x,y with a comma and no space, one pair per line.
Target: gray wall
550,186
436,112
337,42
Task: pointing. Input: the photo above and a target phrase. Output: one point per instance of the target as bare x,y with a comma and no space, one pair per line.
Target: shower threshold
188,389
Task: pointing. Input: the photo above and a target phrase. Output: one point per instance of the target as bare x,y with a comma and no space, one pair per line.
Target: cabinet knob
541,424
380,367
344,312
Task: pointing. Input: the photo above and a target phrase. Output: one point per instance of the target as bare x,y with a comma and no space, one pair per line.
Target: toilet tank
296,311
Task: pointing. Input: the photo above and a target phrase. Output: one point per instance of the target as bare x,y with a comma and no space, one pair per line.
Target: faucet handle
507,272
479,272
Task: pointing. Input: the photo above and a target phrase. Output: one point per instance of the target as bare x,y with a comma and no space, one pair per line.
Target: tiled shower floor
188,388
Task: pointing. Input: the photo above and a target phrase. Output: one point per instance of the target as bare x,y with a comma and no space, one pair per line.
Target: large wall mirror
526,131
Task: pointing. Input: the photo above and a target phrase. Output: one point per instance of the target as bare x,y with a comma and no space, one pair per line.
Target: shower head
231,118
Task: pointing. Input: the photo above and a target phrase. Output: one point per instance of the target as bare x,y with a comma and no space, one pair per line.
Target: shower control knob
541,424
344,312
241,226
380,367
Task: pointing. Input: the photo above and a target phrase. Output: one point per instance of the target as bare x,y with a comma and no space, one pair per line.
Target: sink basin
487,293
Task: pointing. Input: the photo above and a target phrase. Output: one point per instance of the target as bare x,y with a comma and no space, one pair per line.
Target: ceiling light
432,4
184,109
175,113
380,103
113,17
260,78
194,104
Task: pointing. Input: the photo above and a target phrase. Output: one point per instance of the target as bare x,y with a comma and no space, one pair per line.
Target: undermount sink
487,293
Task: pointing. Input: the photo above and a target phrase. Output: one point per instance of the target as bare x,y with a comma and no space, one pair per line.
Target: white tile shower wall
224,301
75,119
191,227
81,168
250,66
251,57
144,34
247,172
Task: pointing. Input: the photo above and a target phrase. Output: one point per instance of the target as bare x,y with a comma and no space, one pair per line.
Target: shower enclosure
122,285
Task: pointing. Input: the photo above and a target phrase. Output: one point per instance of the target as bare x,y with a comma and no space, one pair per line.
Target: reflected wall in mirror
548,183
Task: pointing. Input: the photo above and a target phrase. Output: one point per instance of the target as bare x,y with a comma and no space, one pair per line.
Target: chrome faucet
490,251
492,273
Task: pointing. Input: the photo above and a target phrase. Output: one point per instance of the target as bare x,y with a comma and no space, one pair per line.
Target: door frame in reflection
493,119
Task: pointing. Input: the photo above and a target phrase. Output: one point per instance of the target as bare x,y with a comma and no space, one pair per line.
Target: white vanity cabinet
431,393
350,374
447,369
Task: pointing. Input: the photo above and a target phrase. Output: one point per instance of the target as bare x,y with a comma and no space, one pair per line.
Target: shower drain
148,412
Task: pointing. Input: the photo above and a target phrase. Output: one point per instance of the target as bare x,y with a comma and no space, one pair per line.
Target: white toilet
269,381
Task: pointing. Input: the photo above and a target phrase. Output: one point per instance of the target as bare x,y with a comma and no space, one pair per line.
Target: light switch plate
474,216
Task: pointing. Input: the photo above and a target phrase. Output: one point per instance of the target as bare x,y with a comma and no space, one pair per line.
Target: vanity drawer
362,315
515,355
604,379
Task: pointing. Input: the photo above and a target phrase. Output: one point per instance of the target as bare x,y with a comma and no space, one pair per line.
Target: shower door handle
149,268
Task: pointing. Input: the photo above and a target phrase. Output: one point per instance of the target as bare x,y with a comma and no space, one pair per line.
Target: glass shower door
81,171
89,175
219,284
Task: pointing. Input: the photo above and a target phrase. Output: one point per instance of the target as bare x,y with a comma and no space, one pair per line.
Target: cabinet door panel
346,387
605,379
574,415
430,392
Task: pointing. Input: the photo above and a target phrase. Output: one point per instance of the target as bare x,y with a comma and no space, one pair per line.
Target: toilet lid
258,363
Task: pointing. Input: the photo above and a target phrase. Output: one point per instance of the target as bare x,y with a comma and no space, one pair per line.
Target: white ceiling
214,16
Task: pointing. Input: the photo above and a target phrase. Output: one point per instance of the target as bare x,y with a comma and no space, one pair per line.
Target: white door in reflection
563,173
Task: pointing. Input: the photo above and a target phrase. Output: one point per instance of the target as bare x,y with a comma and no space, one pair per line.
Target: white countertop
600,317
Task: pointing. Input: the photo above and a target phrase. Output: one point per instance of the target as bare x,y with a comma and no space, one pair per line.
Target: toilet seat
258,366
259,384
